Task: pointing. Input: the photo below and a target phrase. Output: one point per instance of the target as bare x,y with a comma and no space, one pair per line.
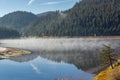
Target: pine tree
107,56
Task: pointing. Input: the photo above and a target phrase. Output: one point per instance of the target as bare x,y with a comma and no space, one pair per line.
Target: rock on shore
11,52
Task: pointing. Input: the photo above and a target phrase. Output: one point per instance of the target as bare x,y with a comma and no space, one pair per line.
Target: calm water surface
41,69
53,59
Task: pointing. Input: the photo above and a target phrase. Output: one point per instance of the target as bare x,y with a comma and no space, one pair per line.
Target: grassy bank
109,73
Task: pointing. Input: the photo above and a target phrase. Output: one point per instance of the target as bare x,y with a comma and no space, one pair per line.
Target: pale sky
34,6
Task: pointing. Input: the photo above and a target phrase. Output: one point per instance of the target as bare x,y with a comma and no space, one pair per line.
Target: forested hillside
13,25
8,33
45,24
86,18
17,20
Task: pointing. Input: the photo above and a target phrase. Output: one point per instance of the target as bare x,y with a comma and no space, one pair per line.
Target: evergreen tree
107,56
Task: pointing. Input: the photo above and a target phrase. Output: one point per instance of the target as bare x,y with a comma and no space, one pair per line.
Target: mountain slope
17,20
86,18
43,24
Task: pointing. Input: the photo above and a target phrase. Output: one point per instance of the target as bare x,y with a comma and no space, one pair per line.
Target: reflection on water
61,58
42,69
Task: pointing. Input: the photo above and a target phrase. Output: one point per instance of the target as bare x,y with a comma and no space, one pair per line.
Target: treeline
8,33
86,18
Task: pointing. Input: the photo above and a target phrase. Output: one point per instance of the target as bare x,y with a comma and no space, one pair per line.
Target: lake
54,59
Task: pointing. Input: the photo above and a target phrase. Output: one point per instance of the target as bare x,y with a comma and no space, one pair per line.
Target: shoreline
84,37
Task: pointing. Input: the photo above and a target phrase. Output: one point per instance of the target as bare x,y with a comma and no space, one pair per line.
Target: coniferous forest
85,18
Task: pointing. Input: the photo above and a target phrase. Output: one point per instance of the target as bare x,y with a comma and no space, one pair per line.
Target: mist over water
63,44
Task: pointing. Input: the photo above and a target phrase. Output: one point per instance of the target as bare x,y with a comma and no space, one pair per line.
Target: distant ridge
18,19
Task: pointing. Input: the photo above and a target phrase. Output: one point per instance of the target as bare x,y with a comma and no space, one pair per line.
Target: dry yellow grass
109,73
